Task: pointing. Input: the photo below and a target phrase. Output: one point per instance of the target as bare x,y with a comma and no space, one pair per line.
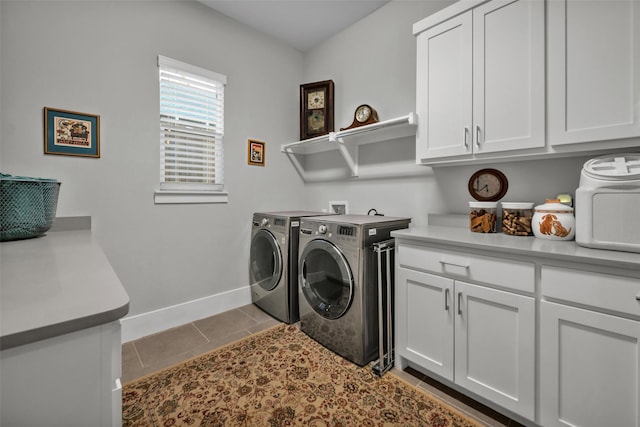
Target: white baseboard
140,325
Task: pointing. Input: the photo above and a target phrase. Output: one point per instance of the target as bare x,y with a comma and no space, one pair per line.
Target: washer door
326,279
265,260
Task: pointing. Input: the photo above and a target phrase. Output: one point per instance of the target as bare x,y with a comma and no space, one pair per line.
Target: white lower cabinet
72,380
480,338
589,368
589,355
552,340
495,346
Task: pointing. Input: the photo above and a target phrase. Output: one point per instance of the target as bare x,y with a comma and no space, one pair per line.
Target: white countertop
56,284
462,237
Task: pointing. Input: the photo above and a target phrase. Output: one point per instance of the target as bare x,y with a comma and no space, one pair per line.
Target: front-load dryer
273,267
337,280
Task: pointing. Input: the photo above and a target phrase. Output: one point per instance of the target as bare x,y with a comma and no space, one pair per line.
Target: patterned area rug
279,377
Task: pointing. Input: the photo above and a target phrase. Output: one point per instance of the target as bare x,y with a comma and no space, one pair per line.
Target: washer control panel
276,224
338,232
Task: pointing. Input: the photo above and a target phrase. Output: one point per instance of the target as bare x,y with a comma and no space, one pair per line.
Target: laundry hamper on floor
27,206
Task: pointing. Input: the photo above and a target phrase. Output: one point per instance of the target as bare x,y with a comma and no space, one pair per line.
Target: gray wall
100,58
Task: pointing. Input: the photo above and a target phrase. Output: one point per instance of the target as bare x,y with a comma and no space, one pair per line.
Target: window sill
185,197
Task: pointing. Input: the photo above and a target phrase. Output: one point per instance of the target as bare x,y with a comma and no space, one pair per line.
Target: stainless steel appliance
273,266
607,203
338,281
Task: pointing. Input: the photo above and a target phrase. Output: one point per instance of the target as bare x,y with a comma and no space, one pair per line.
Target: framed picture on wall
70,133
316,109
256,152
341,208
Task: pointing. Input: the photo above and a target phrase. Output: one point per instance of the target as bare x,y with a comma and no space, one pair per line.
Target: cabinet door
495,346
443,89
508,75
589,368
594,70
424,316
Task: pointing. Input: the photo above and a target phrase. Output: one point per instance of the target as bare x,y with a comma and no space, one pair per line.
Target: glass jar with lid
516,218
482,217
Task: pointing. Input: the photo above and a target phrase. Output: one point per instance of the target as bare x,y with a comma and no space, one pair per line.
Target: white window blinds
191,127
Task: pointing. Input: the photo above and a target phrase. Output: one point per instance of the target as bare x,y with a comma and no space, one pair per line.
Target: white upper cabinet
443,89
480,79
508,75
594,70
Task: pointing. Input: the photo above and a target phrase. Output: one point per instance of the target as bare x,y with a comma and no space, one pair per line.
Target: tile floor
154,352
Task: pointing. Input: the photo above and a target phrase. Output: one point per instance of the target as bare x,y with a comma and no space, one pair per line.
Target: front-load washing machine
273,267
337,280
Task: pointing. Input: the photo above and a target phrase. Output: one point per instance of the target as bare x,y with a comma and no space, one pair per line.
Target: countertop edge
74,325
74,282
541,249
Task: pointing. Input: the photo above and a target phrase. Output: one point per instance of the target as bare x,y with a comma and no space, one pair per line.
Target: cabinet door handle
460,303
637,297
457,264
466,137
478,136
446,299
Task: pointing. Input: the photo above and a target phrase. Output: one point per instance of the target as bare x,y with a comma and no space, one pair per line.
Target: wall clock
316,109
488,185
364,115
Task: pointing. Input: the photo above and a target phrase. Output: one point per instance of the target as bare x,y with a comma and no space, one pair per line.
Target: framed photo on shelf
316,109
70,133
256,150
340,208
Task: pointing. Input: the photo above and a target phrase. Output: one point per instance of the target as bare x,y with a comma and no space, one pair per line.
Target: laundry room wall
99,57
374,62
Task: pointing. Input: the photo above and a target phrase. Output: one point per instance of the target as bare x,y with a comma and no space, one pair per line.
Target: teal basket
27,206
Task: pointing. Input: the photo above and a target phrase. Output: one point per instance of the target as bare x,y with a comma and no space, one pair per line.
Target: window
191,133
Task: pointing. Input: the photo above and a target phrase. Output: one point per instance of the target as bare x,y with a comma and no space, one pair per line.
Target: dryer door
326,279
265,260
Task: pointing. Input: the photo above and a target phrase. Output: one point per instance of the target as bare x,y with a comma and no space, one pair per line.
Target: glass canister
516,218
482,217
554,221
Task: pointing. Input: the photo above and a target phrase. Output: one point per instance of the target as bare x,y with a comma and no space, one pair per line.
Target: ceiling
302,24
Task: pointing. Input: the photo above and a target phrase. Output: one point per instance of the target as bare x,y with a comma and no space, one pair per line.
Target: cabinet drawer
517,275
617,293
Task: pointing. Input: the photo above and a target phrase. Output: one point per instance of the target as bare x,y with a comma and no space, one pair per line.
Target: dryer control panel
345,230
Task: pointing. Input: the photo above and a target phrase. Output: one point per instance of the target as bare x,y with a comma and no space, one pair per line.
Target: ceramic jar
554,221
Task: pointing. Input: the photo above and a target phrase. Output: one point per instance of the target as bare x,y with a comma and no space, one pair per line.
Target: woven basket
27,206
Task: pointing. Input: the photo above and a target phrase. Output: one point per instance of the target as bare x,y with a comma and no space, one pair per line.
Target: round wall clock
364,115
488,185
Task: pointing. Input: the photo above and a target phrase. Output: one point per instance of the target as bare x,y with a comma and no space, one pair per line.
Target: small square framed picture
256,152
341,208
70,133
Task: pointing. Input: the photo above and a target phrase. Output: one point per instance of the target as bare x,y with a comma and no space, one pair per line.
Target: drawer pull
460,303
457,264
446,299
637,297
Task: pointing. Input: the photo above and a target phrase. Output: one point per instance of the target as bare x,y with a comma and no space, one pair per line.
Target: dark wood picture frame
70,133
316,109
256,151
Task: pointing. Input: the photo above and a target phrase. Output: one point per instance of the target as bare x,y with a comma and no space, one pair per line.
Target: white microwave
607,203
